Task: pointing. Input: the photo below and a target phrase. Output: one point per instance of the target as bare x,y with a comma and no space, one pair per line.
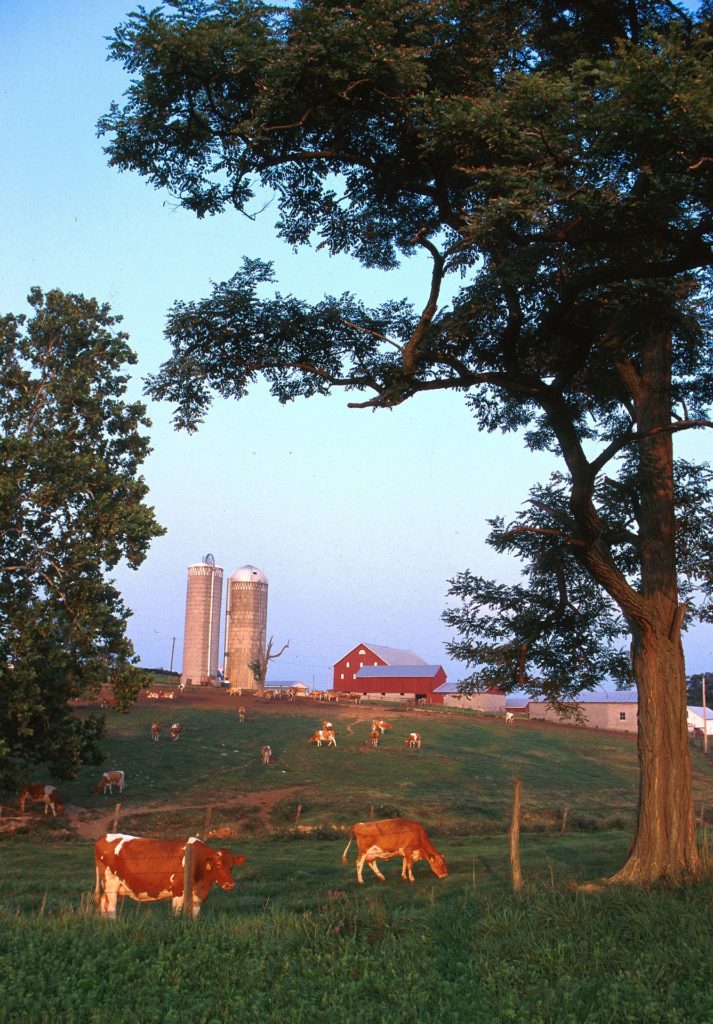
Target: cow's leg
373,864
407,870
109,898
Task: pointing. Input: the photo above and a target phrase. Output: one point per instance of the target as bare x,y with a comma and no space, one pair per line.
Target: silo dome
248,574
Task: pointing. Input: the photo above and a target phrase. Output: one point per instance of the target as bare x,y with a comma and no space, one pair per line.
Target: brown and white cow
39,792
146,870
266,754
175,731
321,736
413,741
380,724
155,731
393,837
108,781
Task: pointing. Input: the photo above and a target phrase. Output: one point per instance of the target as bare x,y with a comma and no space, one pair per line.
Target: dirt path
89,825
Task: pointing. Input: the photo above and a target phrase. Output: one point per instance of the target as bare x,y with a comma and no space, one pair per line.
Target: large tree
552,161
71,507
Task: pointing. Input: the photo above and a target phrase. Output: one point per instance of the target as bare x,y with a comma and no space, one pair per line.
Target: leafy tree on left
71,508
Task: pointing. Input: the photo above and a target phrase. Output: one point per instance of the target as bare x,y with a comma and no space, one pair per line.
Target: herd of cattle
147,870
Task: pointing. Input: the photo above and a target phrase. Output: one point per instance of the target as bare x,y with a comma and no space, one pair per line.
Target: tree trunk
664,842
663,845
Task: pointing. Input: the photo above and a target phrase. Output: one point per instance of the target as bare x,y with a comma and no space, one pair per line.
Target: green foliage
71,507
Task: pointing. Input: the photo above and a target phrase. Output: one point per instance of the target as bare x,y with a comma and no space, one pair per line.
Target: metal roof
249,574
394,655
422,671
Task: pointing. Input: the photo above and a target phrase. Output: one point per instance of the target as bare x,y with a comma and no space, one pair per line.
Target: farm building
283,685
600,708
388,673
490,701
700,718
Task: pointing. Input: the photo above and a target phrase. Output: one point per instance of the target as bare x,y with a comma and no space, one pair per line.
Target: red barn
388,673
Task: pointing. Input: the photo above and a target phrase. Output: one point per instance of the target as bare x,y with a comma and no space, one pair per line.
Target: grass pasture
298,940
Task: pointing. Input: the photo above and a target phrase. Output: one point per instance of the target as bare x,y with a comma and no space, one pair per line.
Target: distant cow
380,724
146,870
39,792
175,731
108,781
393,837
374,737
509,718
155,731
413,741
324,736
266,754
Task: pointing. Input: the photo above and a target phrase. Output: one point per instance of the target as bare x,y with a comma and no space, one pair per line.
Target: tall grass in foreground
551,956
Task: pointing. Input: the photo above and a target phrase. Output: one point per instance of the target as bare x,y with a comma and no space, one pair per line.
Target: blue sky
357,518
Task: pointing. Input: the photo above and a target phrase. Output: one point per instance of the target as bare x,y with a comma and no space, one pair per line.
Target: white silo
201,637
245,625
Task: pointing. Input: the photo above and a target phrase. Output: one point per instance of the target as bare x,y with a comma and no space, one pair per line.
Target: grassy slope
298,941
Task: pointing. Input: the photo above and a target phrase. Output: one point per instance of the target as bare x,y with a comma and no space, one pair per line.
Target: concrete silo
201,636
245,625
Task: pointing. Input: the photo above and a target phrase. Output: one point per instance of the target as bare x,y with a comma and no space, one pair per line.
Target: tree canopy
71,508
552,161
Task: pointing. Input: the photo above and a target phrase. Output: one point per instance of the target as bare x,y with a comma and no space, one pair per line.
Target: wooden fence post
515,836
188,879
115,825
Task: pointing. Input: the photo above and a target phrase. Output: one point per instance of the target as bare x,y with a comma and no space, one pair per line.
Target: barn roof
395,655
421,671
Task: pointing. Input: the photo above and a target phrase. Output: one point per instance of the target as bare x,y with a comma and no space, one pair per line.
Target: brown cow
380,724
152,869
39,792
324,736
393,837
413,741
175,731
155,730
108,780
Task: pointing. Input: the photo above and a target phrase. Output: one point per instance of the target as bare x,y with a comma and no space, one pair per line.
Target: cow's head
437,864
218,867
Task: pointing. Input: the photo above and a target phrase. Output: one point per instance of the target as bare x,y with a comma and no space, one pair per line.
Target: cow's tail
344,855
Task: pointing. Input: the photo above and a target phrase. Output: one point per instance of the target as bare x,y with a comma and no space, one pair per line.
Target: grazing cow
108,780
380,724
241,713
324,736
38,792
413,741
374,737
175,731
152,869
509,718
155,731
393,837
266,754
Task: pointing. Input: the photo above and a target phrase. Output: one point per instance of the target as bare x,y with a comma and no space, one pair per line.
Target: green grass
298,940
